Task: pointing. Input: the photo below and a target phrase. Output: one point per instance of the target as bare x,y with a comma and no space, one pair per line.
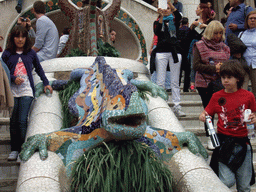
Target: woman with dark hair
248,38
195,34
20,59
213,14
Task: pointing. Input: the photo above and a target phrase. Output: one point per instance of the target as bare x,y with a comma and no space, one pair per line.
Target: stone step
5,138
8,185
9,172
4,121
187,96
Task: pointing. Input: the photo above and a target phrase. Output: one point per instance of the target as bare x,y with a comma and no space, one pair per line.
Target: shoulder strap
241,35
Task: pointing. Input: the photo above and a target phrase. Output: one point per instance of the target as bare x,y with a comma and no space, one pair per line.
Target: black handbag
214,86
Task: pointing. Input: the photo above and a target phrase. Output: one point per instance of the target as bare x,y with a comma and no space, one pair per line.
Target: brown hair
247,18
233,68
16,32
39,7
206,14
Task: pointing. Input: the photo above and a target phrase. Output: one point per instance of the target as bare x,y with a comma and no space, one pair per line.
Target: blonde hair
212,27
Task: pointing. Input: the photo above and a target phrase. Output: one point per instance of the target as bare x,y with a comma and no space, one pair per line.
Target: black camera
24,20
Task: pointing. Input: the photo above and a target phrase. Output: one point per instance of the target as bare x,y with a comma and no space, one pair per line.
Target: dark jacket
237,46
30,60
223,153
192,34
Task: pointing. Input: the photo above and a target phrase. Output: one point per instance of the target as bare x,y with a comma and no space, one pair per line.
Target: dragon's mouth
134,120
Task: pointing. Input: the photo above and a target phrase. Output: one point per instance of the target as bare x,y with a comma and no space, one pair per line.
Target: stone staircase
191,105
9,170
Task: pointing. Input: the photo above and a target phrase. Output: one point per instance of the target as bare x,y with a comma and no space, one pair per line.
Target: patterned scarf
218,52
170,23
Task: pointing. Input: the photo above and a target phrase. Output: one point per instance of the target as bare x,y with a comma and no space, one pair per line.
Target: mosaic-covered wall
52,5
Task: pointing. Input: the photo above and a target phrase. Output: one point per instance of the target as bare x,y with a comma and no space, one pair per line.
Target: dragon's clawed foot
192,142
37,142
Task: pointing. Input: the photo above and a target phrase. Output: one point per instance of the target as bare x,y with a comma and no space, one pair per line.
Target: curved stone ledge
161,116
43,176
70,63
192,173
47,105
35,174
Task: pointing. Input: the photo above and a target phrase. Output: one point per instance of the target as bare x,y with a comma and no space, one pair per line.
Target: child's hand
252,116
48,87
202,116
18,81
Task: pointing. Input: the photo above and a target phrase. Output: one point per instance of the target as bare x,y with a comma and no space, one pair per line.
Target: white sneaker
209,144
178,112
13,156
18,159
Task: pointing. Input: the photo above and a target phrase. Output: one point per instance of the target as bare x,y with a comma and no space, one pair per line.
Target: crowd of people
218,60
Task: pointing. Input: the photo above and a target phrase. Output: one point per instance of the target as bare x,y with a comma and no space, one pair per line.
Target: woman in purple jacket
20,59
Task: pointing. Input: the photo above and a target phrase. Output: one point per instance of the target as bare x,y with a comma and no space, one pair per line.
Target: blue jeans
192,73
18,121
242,176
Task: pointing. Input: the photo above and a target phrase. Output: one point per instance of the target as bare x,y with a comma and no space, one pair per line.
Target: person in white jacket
63,40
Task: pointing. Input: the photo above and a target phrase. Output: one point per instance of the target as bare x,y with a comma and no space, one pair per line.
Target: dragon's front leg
167,143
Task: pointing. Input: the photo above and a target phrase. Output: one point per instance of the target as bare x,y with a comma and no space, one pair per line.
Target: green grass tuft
64,96
120,166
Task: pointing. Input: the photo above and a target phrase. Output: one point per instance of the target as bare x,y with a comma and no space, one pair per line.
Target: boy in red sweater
232,161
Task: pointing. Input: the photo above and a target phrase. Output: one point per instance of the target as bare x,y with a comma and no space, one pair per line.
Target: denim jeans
242,176
192,72
18,121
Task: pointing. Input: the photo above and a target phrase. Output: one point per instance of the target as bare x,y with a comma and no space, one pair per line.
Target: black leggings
205,97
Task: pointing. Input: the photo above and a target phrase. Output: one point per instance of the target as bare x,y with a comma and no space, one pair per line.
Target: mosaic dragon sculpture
109,108
88,24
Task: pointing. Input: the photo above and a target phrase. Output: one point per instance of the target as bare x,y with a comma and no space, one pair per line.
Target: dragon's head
129,123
